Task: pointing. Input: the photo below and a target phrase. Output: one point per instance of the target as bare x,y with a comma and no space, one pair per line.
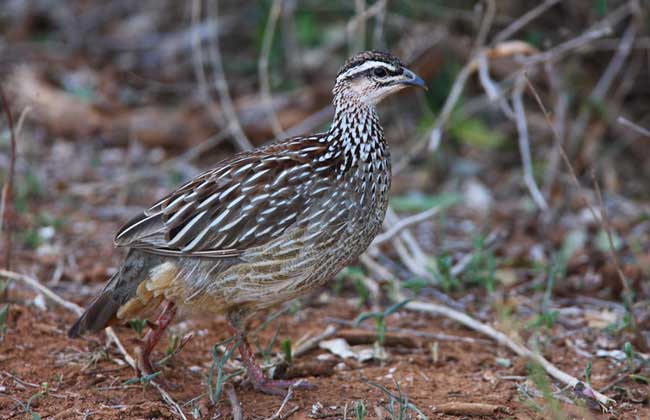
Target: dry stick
556,84
486,24
14,133
362,14
459,84
522,21
407,247
214,54
380,18
199,66
403,224
237,412
311,343
263,67
604,83
463,75
504,340
287,398
626,287
633,126
360,40
524,143
7,203
604,220
78,310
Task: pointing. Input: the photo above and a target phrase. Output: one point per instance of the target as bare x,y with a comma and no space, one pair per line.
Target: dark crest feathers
364,56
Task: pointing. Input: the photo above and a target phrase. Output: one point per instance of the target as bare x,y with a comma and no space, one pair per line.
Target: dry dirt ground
88,380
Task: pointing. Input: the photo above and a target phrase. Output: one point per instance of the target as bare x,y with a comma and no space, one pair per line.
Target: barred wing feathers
244,202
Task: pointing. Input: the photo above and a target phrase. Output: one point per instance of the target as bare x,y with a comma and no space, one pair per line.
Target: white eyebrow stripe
365,66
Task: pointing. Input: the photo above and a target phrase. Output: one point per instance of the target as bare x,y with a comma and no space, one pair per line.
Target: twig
418,261
486,24
606,223
379,42
633,126
456,90
198,63
556,83
7,204
36,285
263,67
560,50
506,341
524,144
360,40
523,20
287,398
362,15
78,310
590,207
237,412
403,224
604,83
214,54
311,343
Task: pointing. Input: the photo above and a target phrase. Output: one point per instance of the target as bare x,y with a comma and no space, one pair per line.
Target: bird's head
370,76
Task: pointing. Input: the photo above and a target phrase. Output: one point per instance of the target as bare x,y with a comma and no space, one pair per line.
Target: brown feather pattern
272,223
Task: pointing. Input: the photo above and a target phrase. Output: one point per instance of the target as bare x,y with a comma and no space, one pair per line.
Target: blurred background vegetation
116,102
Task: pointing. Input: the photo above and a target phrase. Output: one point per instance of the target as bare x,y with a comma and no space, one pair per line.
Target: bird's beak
412,79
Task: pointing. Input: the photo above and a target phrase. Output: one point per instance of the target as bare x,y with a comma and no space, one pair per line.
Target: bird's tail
102,311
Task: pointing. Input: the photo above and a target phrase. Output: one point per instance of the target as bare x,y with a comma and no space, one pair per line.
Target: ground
534,223
86,379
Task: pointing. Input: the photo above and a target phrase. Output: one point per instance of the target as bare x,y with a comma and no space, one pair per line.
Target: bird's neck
355,122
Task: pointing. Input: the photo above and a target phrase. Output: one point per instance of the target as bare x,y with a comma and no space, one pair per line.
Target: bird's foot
146,372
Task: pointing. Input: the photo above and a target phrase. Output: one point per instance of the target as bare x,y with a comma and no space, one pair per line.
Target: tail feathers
103,311
97,316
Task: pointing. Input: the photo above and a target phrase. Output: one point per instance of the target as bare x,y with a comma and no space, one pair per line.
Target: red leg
153,336
255,374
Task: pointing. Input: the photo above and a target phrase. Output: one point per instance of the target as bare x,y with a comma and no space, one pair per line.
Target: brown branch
7,205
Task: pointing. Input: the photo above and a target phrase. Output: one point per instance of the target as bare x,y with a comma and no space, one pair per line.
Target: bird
262,227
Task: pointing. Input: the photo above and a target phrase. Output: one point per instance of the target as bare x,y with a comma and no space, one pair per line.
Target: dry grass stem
605,226
263,67
235,405
633,126
7,201
524,143
214,54
503,340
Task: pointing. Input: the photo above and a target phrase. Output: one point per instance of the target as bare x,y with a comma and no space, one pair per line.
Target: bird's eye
379,72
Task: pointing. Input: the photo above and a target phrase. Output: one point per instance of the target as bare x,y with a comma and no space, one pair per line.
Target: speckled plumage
268,224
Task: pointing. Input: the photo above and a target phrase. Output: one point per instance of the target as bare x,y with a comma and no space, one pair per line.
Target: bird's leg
163,320
255,374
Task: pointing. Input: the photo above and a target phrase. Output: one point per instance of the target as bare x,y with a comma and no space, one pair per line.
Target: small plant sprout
359,410
380,319
4,312
400,399
175,345
286,349
628,349
218,363
138,326
144,380
587,373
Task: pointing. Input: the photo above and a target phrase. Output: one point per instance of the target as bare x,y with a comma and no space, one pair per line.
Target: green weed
380,319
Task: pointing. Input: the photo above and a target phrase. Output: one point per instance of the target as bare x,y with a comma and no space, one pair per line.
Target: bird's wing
244,202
